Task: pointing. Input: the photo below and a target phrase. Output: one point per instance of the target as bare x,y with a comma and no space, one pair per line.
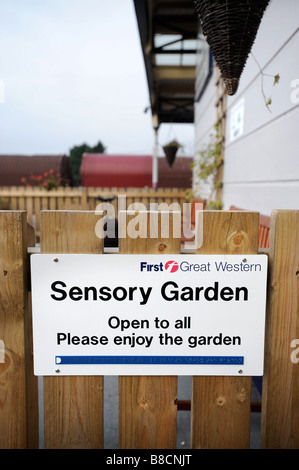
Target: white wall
261,169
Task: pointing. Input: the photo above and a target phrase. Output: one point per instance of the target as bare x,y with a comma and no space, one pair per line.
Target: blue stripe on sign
204,360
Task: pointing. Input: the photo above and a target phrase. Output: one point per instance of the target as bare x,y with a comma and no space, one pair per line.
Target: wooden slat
52,205
32,385
220,416
84,205
37,209
29,209
73,406
280,397
18,386
147,409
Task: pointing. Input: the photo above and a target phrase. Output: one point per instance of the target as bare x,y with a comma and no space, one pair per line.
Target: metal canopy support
168,32
155,172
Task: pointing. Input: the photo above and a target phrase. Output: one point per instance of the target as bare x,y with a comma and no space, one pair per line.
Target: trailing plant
207,167
173,143
215,205
267,99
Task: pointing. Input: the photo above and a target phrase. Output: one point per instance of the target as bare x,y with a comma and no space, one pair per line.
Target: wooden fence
35,199
220,406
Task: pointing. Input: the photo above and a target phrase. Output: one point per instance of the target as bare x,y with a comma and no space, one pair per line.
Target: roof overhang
168,32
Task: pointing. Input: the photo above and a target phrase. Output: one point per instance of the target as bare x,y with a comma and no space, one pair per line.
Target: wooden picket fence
35,199
220,406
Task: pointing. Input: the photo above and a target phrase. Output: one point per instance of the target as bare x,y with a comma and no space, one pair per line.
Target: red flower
39,177
51,171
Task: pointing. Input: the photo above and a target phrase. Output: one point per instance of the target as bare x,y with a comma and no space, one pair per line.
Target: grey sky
73,72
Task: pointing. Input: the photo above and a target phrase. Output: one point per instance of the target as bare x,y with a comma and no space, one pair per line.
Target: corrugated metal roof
123,171
15,167
178,176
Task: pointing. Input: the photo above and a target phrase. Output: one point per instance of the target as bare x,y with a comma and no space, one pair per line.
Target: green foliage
173,143
48,180
276,79
76,154
267,99
215,205
210,157
188,194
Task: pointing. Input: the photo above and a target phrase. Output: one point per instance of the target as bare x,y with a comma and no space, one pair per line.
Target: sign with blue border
118,314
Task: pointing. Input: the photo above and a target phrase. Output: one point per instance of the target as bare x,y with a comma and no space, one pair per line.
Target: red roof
177,176
129,171
15,167
121,171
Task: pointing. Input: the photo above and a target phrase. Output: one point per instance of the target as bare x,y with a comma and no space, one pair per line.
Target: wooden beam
280,396
73,405
171,72
147,405
18,386
220,412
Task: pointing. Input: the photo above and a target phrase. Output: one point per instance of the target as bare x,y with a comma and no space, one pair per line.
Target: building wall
261,163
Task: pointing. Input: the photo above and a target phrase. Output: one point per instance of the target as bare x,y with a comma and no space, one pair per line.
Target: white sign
115,314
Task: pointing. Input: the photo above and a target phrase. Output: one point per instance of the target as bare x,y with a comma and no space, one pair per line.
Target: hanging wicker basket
170,151
230,27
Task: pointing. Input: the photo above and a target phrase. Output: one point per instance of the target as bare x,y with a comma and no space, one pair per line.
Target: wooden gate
220,406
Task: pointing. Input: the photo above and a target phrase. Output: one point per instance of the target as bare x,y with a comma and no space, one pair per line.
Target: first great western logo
173,266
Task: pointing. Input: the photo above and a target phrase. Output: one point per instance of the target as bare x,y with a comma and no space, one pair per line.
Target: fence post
73,406
18,386
280,395
147,408
220,407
